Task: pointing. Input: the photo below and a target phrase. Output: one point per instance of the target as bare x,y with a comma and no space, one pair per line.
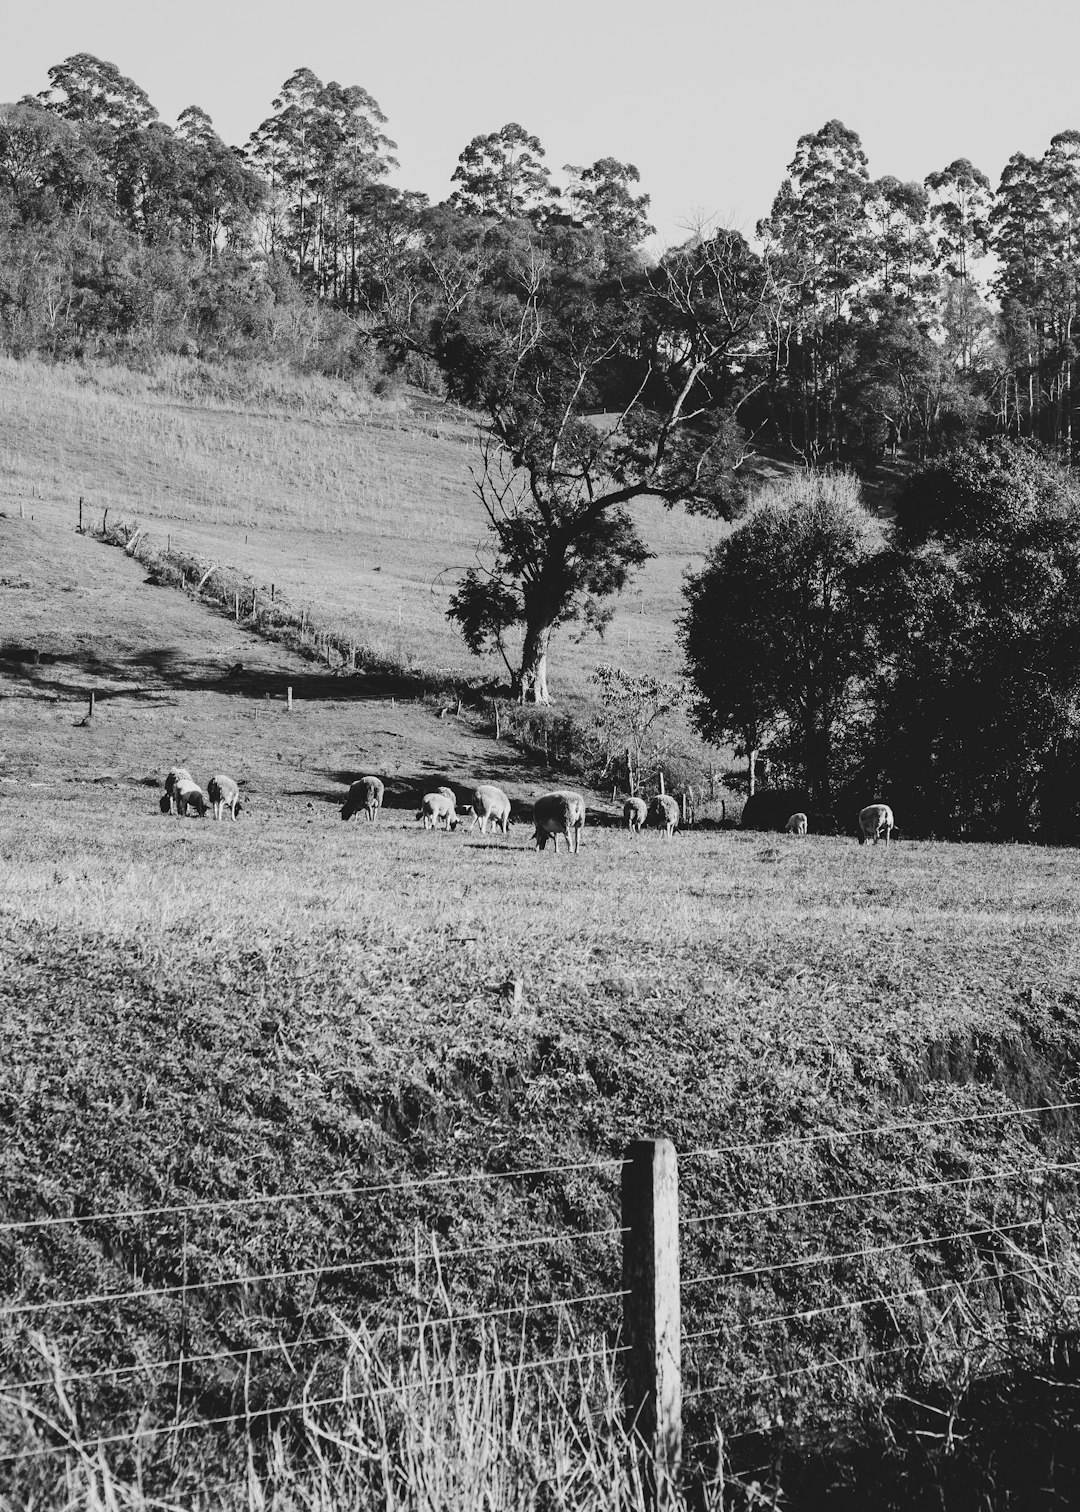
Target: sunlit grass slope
361,508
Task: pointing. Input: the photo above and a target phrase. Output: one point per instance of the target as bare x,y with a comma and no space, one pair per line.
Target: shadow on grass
150,673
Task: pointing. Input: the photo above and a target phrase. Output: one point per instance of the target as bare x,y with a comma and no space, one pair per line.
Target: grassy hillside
194,1013
360,508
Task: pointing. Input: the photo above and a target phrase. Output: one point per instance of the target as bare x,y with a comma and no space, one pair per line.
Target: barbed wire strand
197,1424
311,1195
241,1354
897,1191
874,1249
790,1140
740,1325
783,1375
61,1304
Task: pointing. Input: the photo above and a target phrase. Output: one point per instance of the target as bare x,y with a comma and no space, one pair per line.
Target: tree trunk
532,678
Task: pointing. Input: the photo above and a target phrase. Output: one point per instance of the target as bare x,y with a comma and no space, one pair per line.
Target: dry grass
361,509
288,1003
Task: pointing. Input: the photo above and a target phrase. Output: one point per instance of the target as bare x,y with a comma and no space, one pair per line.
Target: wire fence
429,1305
779,1288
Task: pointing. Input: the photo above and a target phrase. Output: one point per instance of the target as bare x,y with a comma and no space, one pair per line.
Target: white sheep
176,775
558,814
188,794
490,803
798,824
223,793
438,809
664,813
367,794
874,821
634,812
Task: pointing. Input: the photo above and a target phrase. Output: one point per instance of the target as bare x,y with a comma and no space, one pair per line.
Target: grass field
192,1012
363,511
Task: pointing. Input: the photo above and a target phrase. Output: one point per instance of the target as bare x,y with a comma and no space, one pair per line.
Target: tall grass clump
437,1420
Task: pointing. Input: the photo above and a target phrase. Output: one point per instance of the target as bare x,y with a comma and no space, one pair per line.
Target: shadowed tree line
872,318
936,665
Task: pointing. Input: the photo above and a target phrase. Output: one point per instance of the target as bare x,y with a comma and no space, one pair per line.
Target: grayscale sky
706,97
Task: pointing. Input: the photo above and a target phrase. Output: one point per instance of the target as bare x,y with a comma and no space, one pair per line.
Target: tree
632,712
595,393
977,631
819,238
600,198
501,175
775,639
319,151
960,206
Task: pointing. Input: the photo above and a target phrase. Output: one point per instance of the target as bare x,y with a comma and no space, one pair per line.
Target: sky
707,98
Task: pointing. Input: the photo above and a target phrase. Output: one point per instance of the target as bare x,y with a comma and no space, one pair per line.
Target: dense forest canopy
905,313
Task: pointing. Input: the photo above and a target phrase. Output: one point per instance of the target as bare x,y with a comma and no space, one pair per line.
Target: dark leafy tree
601,199
819,240
977,622
775,638
502,175
594,395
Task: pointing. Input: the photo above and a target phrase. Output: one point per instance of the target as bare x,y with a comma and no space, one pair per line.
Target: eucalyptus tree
600,198
502,174
595,392
1037,241
961,204
819,239
319,150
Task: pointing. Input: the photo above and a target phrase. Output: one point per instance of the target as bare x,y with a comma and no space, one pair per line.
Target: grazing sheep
176,775
664,813
558,814
874,821
223,793
490,803
797,824
188,794
366,794
437,808
634,812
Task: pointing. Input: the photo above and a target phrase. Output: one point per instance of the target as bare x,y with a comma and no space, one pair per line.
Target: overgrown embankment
183,1025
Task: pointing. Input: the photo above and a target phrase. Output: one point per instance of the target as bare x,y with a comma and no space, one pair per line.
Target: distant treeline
899,314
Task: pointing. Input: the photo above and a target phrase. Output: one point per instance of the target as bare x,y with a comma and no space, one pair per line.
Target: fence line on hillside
652,1338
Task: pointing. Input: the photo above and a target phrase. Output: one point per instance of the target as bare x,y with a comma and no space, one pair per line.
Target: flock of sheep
183,794
555,815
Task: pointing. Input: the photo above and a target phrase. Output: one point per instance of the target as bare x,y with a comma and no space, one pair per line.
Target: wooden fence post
651,1315
289,698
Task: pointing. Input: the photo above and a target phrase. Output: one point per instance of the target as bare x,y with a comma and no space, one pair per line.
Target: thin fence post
651,1314
289,699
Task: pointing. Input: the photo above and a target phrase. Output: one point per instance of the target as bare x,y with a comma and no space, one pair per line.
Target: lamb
176,775
874,821
188,794
367,794
223,793
438,808
664,813
635,812
490,803
558,814
798,824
